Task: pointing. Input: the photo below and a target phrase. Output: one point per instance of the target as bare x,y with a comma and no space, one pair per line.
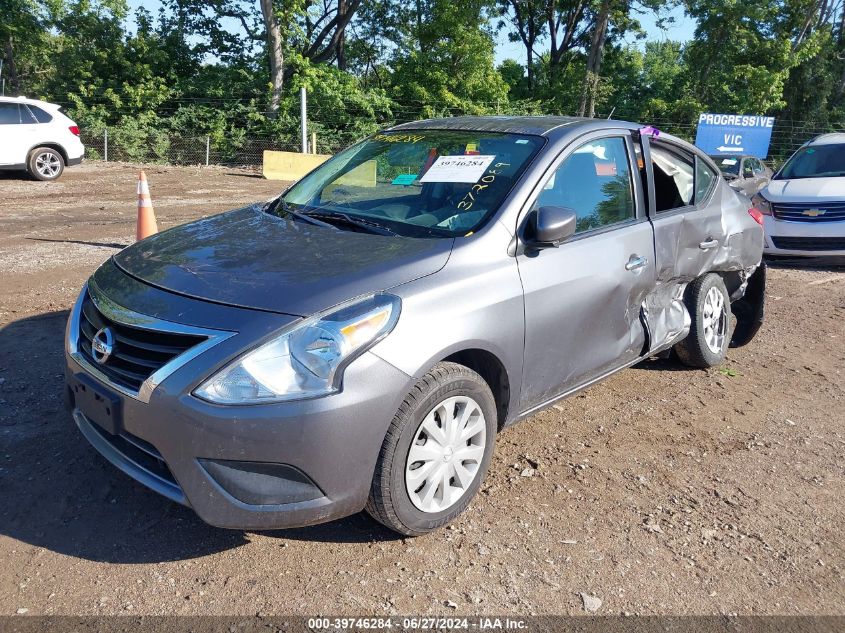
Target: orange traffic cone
146,216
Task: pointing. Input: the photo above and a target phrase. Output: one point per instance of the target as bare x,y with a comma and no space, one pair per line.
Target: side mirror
550,226
748,173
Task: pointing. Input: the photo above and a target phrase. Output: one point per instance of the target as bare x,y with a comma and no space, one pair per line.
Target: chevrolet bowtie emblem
814,213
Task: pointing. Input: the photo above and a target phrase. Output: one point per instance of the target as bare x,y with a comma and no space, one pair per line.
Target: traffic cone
146,216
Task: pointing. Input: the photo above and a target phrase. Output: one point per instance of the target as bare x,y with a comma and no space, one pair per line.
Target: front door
13,140
583,298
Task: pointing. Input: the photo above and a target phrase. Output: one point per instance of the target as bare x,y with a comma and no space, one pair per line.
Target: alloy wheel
47,164
714,320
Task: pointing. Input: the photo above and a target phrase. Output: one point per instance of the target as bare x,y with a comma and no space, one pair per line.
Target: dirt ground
660,491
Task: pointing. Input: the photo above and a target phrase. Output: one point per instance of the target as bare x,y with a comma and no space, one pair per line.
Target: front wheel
708,303
45,164
436,452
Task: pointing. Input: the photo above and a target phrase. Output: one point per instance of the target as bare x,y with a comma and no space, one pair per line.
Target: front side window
419,183
9,114
815,161
704,179
595,182
673,177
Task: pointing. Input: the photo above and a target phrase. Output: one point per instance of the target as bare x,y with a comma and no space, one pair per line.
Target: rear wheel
436,453
708,303
45,163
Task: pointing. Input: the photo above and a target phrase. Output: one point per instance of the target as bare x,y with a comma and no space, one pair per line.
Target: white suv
804,204
37,137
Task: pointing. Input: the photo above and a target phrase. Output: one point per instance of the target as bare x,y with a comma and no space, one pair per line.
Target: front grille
142,453
810,243
138,353
810,212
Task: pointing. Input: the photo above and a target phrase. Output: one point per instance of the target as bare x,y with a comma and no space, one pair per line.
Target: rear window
727,164
39,115
9,114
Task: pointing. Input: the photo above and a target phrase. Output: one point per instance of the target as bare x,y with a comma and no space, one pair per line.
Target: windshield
816,161
727,165
416,183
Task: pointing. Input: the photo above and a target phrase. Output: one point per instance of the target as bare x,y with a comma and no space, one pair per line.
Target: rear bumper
74,161
253,467
804,239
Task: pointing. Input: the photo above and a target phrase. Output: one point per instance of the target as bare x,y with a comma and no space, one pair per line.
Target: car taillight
755,213
74,129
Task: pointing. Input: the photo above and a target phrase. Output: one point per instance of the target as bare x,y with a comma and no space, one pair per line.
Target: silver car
360,341
746,174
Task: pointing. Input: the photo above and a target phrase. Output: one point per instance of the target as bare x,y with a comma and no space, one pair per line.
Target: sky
681,30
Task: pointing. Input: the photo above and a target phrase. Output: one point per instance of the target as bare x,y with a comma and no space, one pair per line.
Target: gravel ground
662,490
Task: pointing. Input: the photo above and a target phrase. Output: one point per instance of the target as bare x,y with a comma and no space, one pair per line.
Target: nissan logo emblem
102,345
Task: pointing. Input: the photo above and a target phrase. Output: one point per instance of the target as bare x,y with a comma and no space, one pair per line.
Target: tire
399,502
45,163
709,337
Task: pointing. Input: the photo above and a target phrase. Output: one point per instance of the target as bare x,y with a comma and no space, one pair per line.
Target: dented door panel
717,236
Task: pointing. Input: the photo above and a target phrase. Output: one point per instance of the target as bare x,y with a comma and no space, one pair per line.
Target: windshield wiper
366,224
285,207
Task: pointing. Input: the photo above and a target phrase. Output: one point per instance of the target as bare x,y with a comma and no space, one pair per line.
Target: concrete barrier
293,166
290,165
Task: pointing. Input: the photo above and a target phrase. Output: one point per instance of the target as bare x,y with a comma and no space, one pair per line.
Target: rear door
688,232
688,227
583,299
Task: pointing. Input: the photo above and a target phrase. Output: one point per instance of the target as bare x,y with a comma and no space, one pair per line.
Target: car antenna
611,112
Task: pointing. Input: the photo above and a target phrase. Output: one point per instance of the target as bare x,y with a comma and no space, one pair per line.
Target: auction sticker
458,168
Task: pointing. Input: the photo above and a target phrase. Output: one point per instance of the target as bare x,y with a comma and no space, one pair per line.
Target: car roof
536,125
36,102
828,139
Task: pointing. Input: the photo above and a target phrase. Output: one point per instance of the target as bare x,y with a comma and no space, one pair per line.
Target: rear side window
673,178
595,182
704,180
39,115
9,114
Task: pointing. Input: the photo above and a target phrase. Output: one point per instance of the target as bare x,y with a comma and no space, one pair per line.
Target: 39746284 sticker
466,169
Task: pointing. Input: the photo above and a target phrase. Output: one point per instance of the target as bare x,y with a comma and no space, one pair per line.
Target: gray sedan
360,341
744,173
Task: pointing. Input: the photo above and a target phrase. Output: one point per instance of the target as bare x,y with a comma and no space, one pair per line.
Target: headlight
759,202
306,361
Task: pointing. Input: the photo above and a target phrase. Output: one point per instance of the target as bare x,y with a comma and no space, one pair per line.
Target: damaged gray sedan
360,341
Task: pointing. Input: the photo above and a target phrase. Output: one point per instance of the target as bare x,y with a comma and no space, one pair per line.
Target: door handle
708,244
635,262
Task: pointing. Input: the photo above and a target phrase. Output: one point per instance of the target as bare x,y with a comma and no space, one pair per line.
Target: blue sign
739,134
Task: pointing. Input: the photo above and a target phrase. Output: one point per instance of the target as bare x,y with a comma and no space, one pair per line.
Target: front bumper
245,467
333,441
803,239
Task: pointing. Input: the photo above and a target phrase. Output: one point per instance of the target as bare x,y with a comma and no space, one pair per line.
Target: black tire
694,350
45,163
389,502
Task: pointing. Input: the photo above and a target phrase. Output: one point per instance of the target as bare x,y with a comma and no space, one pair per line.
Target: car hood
251,259
805,189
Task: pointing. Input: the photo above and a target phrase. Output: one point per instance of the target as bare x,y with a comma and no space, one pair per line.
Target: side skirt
529,412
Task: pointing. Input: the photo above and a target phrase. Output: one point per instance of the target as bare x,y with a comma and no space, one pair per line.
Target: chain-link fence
175,149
